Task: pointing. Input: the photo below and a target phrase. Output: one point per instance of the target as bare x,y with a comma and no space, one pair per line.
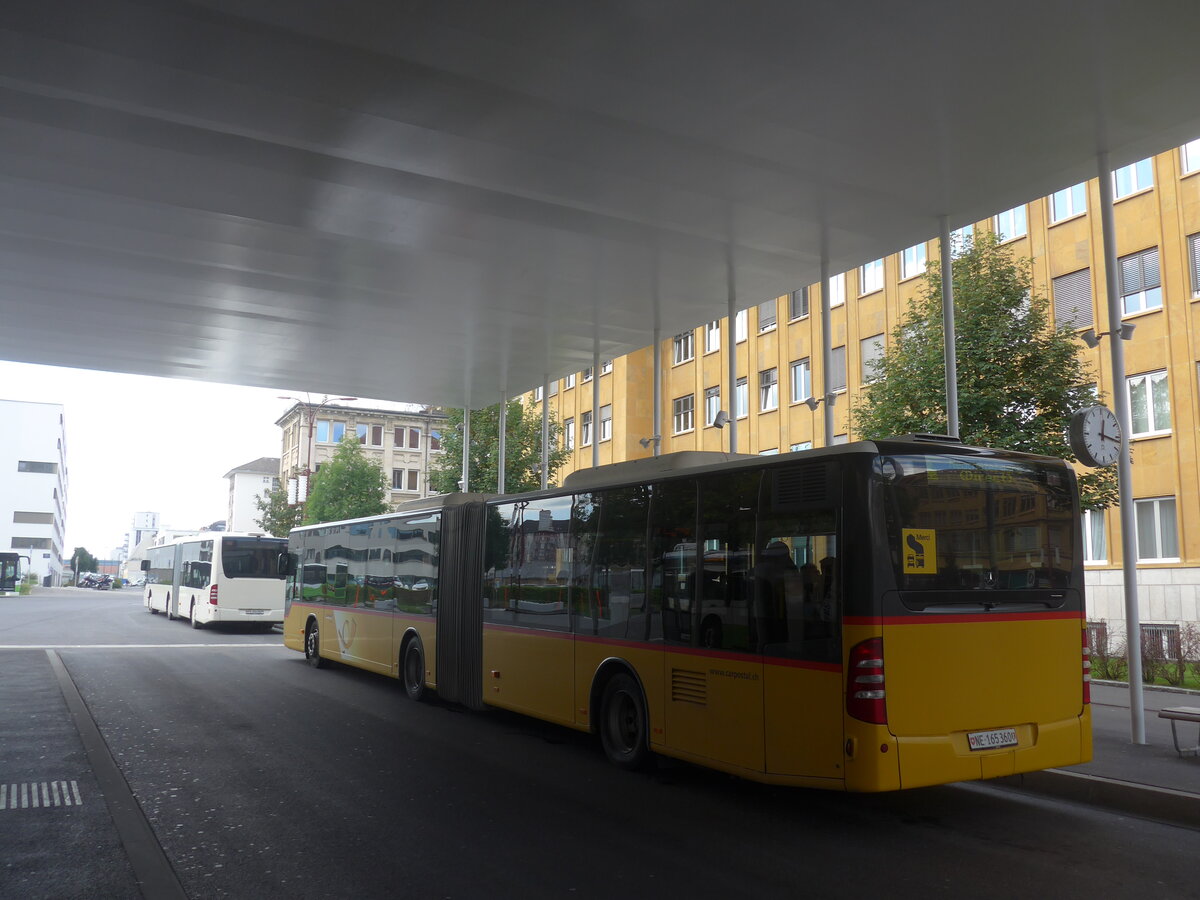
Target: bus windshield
252,557
969,523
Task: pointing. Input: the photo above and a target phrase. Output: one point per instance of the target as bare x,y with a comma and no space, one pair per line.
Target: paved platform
1147,780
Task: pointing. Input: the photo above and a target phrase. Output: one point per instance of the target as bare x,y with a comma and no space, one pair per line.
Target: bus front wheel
312,646
412,667
623,723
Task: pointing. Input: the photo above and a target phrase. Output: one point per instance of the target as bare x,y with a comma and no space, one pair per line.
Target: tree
278,518
523,450
1019,378
349,486
83,561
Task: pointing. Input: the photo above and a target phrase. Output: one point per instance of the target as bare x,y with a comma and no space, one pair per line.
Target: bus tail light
1087,669
865,692
212,595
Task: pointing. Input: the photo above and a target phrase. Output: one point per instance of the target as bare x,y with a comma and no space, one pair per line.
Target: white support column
501,430
948,330
545,431
595,403
731,402
656,429
1116,348
826,351
466,448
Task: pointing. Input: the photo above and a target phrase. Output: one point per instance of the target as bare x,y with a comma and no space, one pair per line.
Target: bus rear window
251,557
959,523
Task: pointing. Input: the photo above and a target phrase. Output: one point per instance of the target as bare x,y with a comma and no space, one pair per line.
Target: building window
1156,539
606,423
1189,156
322,431
569,434
840,439
587,375
712,404
739,326
569,381
1149,403
1160,642
1011,223
912,262
435,442
1095,549
801,379
803,445
537,394
1073,299
741,398
1068,202
870,277
837,290
1135,177
606,366
585,429
360,431
1194,255
376,435
767,315
405,479
414,439
683,407
774,451
798,304
870,357
768,389
41,468
684,348
961,239
1141,283
837,370
712,336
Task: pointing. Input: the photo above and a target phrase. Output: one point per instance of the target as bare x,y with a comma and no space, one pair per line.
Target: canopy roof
446,201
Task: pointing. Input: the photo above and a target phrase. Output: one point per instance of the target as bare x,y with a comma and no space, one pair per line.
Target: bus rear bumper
246,616
942,759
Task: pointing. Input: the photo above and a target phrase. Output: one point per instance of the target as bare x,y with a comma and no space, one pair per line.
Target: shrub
1109,663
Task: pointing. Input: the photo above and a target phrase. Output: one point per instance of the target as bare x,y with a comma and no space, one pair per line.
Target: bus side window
729,617
673,557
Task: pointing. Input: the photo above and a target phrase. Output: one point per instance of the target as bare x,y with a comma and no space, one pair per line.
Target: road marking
126,646
28,796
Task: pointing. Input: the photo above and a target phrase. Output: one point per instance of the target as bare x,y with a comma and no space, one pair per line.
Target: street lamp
311,410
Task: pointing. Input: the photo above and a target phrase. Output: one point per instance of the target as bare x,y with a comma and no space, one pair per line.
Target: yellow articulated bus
865,617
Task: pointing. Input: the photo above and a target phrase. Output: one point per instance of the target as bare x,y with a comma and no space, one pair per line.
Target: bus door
9,563
703,534
799,591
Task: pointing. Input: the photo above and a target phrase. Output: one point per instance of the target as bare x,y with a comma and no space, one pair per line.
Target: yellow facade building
778,361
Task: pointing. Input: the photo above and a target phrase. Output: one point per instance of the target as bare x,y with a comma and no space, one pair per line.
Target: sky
142,444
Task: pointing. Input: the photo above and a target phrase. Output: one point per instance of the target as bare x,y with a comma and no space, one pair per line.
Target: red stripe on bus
671,648
362,610
958,618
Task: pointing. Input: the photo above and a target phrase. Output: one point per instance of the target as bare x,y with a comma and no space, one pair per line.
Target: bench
1182,714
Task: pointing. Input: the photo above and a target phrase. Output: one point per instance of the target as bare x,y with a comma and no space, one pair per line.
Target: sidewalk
1147,780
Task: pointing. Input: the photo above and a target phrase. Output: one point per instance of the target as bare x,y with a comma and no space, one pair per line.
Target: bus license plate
992,740
255,612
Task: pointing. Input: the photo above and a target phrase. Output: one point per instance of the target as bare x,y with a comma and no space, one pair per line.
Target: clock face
1096,436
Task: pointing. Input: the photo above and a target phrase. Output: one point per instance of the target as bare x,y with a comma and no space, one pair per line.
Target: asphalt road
261,778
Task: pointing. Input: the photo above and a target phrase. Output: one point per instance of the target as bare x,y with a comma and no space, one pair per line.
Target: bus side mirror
145,565
285,564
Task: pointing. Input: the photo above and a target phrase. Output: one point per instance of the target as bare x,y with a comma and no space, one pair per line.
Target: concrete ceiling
441,201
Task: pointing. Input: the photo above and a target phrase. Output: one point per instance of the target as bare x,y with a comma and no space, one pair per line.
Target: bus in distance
865,617
216,577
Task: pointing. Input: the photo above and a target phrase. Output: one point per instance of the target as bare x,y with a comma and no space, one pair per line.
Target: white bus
216,577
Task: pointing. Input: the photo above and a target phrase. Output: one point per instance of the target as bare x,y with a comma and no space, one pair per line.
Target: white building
33,485
246,484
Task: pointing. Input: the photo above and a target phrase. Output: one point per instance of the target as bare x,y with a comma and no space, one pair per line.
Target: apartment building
247,483
777,346
402,438
33,486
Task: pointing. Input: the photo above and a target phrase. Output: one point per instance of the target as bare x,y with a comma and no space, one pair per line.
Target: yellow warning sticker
920,551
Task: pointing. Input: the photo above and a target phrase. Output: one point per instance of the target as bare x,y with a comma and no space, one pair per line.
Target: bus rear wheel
412,670
623,723
196,623
312,646
168,609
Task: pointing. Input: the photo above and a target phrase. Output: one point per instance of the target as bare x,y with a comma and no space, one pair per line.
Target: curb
1141,800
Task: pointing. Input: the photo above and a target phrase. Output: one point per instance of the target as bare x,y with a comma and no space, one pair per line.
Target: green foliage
523,450
349,486
1019,378
83,561
277,518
